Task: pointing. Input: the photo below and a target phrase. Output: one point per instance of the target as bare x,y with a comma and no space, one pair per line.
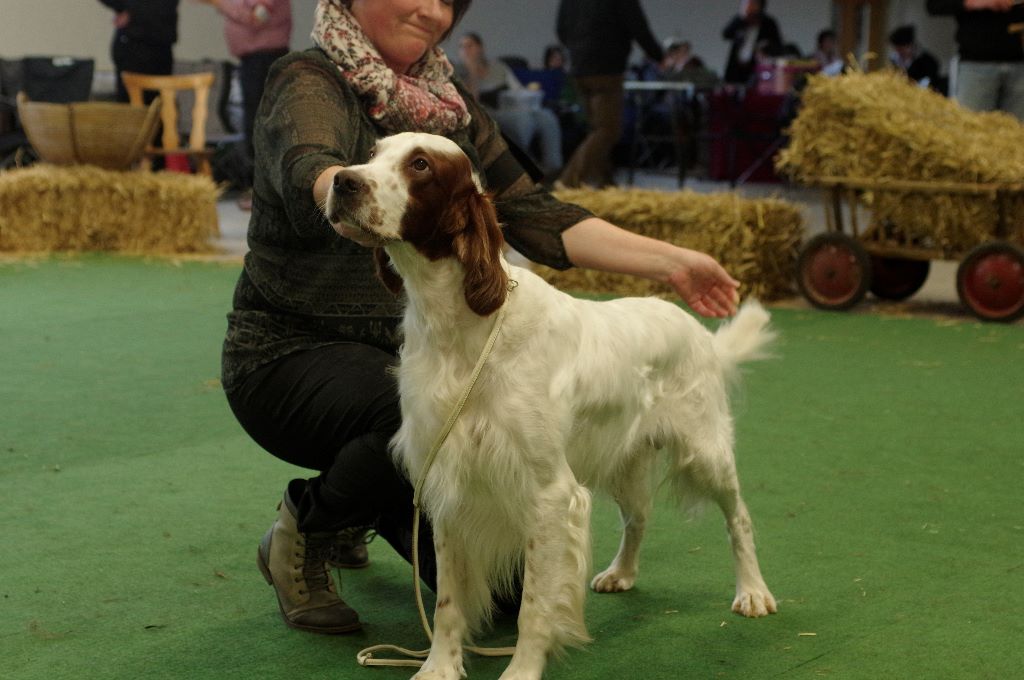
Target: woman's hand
705,286
697,278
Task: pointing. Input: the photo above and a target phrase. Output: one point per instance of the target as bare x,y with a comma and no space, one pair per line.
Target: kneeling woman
313,333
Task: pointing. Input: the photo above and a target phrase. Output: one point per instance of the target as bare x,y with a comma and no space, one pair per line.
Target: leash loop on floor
366,657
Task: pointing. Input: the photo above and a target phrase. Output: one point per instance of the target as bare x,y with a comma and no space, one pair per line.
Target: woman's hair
459,8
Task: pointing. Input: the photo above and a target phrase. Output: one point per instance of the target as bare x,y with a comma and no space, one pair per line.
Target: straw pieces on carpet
880,126
48,208
756,240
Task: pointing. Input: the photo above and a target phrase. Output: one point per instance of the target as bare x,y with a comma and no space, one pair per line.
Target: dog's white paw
510,674
613,580
431,672
754,602
440,674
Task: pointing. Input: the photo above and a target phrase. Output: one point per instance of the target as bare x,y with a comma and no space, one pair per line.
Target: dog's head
420,189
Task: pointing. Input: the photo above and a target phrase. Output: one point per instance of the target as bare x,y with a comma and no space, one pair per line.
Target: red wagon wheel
897,278
833,271
990,281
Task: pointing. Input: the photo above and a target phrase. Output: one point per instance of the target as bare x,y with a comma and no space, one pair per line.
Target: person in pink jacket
257,34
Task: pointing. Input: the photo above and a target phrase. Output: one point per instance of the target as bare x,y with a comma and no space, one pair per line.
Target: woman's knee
303,408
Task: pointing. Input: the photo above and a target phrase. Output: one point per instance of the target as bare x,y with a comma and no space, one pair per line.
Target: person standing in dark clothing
990,75
599,35
144,37
751,31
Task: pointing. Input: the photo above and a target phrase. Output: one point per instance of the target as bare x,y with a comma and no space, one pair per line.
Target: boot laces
314,568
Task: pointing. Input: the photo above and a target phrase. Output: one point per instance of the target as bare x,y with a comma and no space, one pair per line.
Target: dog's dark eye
420,164
373,152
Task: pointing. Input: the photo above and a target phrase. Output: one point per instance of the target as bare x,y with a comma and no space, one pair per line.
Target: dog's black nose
347,182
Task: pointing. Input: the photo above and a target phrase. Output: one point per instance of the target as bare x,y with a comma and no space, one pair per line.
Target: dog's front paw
519,675
432,671
613,580
450,673
754,602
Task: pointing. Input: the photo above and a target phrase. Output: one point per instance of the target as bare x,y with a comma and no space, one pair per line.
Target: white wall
83,27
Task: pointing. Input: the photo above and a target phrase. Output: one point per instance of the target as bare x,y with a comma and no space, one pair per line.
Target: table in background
649,98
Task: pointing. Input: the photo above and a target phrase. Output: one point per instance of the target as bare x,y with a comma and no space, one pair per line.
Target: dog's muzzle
348,183
348,192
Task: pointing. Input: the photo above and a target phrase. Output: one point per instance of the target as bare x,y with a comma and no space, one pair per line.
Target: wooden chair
169,87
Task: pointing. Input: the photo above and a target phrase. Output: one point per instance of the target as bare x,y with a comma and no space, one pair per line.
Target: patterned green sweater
303,286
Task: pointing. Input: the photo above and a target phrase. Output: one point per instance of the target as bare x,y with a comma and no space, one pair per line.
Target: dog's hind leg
752,595
633,495
712,473
555,580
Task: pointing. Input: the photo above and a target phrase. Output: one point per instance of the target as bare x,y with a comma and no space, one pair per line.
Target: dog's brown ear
478,247
387,275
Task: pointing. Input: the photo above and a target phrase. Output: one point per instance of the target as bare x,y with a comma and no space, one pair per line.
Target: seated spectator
919,65
827,53
560,96
559,92
555,59
682,65
517,109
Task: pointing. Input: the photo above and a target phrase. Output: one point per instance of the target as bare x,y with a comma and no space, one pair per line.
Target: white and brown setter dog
576,395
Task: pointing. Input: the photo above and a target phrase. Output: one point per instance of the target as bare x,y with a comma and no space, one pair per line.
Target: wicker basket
105,134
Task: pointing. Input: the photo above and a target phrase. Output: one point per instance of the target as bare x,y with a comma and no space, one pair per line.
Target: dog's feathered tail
745,338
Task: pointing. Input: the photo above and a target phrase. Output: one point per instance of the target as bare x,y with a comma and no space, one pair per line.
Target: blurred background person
144,35
257,34
682,65
560,96
599,35
990,73
519,111
750,32
826,53
909,57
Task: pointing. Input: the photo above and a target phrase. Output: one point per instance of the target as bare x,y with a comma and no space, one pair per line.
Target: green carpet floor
882,460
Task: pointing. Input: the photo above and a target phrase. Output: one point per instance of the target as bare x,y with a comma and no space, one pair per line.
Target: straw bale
881,126
756,240
46,208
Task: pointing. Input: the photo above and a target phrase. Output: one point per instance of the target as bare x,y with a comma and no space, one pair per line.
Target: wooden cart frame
836,269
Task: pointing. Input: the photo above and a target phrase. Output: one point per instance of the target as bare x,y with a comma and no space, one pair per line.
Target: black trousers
334,410
138,56
252,76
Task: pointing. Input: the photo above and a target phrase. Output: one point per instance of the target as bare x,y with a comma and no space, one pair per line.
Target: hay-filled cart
908,177
836,269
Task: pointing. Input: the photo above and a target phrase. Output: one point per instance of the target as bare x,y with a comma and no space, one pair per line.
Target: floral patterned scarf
422,100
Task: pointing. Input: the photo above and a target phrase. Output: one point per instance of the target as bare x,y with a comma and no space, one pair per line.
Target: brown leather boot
348,549
295,565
